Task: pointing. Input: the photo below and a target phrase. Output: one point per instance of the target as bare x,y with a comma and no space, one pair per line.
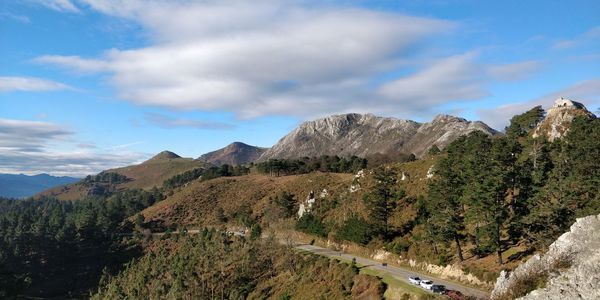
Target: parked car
455,295
414,280
426,284
438,289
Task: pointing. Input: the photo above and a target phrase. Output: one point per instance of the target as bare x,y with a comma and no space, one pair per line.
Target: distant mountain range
21,186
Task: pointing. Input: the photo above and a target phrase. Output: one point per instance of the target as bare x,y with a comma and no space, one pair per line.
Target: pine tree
381,199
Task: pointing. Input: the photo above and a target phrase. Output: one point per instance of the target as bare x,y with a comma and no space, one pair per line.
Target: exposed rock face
364,135
559,117
572,265
234,154
442,131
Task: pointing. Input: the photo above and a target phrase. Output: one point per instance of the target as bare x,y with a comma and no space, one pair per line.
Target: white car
426,284
414,280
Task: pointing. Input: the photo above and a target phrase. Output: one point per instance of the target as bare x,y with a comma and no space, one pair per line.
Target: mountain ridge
21,185
366,134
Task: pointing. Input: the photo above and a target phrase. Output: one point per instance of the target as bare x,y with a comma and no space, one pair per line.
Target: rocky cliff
365,135
570,269
234,154
559,117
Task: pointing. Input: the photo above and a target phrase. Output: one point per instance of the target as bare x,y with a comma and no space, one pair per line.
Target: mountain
559,117
236,153
365,135
150,173
21,186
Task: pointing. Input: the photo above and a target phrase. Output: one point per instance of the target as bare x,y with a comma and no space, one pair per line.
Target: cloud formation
257,58
58,5
30,84
30,147
170,123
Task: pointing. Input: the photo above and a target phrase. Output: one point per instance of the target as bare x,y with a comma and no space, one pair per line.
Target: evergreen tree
382,198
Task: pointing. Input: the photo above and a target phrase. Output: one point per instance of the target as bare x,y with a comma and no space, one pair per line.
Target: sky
86,85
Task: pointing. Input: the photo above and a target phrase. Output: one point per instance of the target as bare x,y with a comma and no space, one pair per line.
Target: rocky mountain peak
559,117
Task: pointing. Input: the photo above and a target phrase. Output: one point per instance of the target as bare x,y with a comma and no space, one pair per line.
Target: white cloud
452,78
58,5
270,57
18,18
254,58
170,122
586,92
514,71
31,84
592,34
31,147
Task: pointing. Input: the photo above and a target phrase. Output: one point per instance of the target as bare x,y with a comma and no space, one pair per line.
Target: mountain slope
20,186
236,153
364,135
149,174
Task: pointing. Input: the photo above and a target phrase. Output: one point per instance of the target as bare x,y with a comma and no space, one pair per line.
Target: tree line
277,167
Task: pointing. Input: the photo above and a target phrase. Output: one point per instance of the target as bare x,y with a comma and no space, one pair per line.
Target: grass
396,288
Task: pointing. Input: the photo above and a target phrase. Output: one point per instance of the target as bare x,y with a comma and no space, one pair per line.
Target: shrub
355,229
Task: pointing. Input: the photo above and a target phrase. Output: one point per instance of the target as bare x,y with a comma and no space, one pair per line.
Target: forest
56,248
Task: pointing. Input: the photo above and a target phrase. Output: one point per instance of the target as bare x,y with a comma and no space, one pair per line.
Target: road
399,273
396,272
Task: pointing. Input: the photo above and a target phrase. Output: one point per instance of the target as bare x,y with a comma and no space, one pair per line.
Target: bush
311,224
355,229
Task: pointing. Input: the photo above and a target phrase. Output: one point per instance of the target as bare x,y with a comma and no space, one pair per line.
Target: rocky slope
236,153
569,270
364,135
559,117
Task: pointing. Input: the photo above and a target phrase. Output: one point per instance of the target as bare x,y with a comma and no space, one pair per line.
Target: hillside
21,186
200,267
149,174
236,153
366,135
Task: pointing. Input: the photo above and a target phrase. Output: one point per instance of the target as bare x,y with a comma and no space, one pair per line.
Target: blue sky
90,84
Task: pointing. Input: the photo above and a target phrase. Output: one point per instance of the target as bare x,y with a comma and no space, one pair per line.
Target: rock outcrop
365,135
559,117
236,153
570,268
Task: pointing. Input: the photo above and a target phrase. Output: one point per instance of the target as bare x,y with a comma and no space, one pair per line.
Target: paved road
396,272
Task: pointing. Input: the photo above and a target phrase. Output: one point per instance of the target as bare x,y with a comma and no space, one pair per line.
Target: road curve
396,272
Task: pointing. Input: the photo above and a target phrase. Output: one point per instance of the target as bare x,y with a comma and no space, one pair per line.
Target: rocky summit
559,117
365,135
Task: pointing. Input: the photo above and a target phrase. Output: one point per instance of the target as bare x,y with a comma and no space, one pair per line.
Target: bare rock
570,267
